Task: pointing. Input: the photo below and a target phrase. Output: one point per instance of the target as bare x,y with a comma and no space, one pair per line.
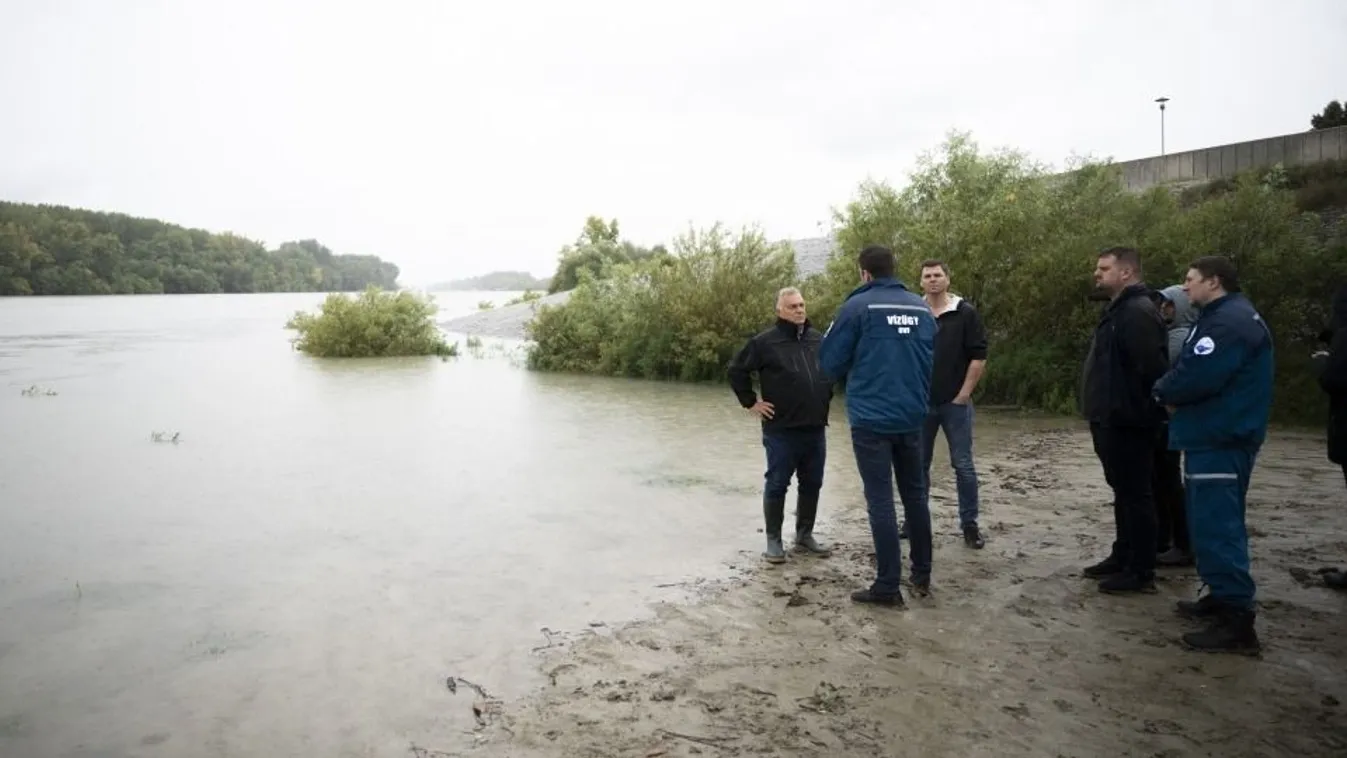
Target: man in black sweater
794,413
1127,356
960,357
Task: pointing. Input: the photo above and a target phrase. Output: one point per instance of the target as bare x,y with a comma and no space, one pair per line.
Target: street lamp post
1162,101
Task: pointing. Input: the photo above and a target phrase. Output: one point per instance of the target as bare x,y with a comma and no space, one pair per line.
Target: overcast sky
455,138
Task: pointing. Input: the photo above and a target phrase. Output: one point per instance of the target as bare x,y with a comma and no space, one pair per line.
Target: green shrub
373,324
528,297
678,316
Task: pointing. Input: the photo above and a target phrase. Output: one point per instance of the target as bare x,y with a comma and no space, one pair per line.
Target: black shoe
921,586
902,530
1231,631
1334,578
1128,583
1174,558
1107,567
1203,607
973,538
866,596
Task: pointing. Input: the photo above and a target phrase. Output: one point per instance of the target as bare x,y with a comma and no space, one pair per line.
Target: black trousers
1127,455
1171,514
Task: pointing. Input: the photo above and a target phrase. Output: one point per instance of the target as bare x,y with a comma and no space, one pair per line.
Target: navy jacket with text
1221,386
882,344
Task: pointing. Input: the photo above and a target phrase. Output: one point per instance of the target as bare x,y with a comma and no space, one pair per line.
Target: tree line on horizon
496,281
56,250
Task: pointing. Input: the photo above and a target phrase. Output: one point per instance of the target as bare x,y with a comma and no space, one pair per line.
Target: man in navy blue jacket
1219,395
882,344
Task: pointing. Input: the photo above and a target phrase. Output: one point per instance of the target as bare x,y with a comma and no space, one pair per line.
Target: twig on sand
425,752
547,635
708,741
453,682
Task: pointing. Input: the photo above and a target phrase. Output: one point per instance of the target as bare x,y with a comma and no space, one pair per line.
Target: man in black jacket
794,412
1331,366
1128,354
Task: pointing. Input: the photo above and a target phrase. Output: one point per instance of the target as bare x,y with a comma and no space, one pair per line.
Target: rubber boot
806,509
773,513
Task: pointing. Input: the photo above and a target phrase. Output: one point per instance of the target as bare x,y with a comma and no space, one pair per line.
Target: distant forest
497,281
54,250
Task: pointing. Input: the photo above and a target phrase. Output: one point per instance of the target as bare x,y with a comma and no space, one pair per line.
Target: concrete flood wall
1225,161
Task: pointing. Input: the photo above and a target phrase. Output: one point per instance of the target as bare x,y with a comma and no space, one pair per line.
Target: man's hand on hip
763,409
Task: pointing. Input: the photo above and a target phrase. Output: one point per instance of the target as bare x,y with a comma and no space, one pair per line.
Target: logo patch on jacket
1204,346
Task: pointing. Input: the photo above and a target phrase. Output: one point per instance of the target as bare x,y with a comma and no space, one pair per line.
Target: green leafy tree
596,250
1332,115
373,324
678,316
53,250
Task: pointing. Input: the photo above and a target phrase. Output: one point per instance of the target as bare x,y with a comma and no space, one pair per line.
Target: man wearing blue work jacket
1219,395
882,344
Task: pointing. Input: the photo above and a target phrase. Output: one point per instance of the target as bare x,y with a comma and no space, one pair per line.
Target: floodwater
327,541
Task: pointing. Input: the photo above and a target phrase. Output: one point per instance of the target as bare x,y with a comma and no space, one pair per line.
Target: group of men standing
911,364
1177,388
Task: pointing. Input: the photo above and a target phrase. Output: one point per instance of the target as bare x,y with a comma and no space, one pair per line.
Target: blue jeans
957,423
879,457
794,452
1216,483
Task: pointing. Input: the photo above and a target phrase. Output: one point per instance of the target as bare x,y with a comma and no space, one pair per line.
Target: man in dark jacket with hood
1332,368
794,413
1127,356
1174,548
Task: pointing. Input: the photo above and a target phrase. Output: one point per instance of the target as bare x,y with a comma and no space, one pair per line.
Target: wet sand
1013,654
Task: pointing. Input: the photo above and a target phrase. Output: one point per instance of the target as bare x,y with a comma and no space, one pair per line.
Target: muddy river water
328,541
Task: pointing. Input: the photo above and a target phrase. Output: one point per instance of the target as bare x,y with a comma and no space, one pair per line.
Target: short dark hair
1127,256
1220,267
878,261
933,262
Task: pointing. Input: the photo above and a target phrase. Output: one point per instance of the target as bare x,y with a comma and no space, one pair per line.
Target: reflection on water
330,539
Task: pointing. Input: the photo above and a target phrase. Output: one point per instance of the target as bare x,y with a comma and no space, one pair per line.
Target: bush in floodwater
677,316
374,324
529,296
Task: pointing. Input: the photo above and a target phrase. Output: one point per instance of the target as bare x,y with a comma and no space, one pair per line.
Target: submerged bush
374,324
678,316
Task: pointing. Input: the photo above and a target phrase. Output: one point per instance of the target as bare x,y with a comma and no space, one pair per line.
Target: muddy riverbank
1014,654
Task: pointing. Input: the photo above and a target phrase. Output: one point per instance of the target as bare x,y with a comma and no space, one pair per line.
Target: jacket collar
1214,305
1130,291
791,329
886,282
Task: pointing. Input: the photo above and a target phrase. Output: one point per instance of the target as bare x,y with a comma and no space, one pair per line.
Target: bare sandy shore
1014,654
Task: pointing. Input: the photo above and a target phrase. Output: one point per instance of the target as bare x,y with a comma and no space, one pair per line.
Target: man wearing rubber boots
883,343
794,413
1220,395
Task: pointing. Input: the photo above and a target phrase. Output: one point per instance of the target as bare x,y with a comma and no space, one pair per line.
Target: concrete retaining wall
1224,161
